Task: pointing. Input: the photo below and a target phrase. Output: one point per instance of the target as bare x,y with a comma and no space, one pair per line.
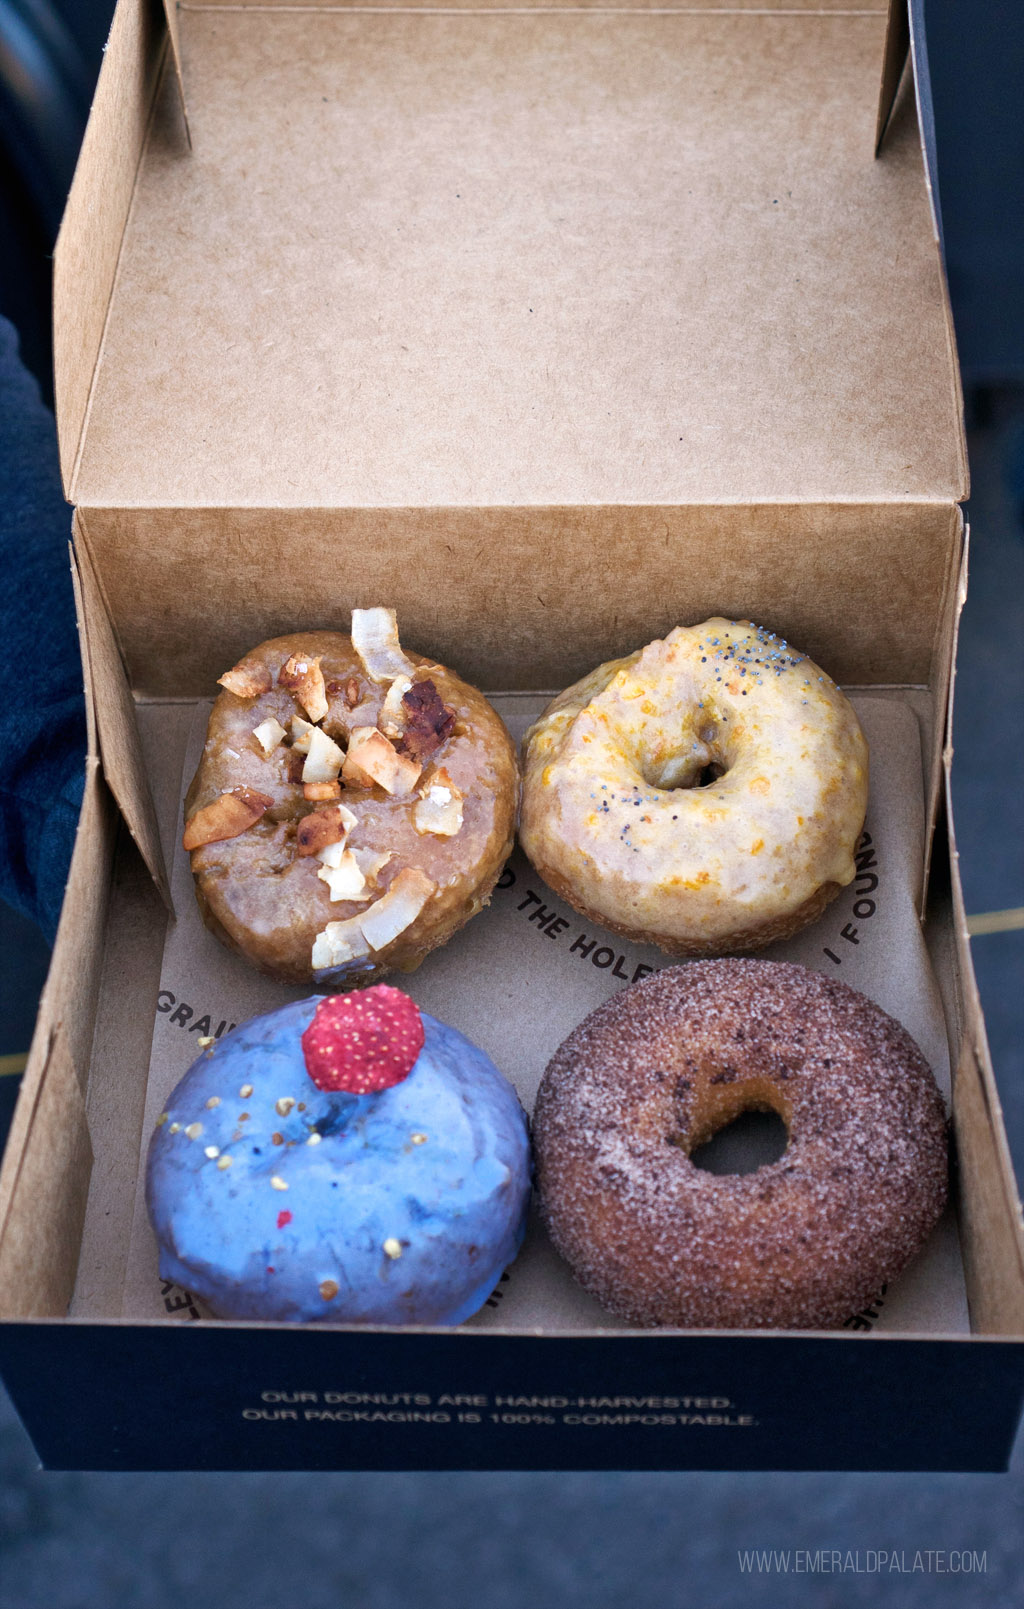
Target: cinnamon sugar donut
705,794
800,1243
353,806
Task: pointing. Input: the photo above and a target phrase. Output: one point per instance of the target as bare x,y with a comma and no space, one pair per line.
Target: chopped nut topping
322,828
174,1128
224,1163
351,692
328,1289
162,1119
314,1138
233,813
204,1042
428,721
418,1139
302,676
211,1151
245,1091
214,1099
277,1183
284,1105
392,1247
277,1139
193,1131
246,680
294,762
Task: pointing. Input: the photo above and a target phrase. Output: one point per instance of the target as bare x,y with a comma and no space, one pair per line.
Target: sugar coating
399,1207
800,1243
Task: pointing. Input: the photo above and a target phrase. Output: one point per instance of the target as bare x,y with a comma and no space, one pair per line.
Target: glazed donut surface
705,794
405,1210
265,896
800,1243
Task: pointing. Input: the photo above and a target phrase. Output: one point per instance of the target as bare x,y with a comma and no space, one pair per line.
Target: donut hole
754,1139
698,765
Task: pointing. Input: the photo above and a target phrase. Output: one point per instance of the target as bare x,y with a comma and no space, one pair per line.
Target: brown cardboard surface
533,257
40,1236
113,721
529,597
89,245
504,968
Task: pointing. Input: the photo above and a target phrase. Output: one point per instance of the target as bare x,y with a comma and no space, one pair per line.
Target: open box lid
482,257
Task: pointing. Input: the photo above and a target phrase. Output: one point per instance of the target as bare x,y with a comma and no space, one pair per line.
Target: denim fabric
42,715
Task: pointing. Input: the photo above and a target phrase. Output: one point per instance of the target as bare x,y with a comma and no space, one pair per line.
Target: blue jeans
42,710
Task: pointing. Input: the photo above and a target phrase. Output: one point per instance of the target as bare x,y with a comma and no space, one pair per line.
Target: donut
801,1243
352,808
344,1159
705,794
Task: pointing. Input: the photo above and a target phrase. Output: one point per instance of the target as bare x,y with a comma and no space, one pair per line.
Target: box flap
112,716
483,258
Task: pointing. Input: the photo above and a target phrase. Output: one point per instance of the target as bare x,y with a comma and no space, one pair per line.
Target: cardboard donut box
550,328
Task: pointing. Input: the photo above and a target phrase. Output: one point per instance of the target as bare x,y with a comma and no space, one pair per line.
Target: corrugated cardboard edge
992,1232
38,1211
894,60
112,714
174,36
45,1201
88,246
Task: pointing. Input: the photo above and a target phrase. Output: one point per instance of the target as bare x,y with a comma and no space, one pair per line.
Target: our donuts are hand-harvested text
345,1159
802,1242
353,806
705,794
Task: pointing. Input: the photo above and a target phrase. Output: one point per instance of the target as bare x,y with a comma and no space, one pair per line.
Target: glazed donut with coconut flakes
705,794
353,806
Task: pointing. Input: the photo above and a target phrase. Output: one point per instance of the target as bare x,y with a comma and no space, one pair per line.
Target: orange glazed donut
802,1242
705,794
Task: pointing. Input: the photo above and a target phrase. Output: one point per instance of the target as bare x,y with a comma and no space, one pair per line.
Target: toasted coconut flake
321,828
330,854
233,813
324,759
301,732
397,909
439,809
246,681
302,676
375,640
338,944
317,792
370,863
345,880
269,734
373,759
393,714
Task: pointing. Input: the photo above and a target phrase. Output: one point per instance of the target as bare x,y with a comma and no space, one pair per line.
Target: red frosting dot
363,1042
283,1218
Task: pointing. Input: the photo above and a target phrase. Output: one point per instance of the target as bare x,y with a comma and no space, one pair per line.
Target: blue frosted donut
273,1199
